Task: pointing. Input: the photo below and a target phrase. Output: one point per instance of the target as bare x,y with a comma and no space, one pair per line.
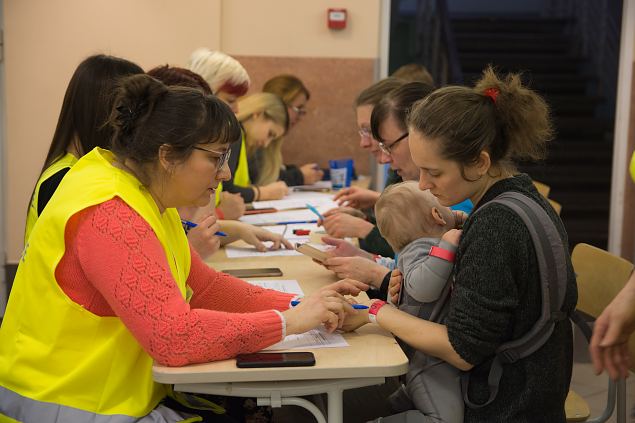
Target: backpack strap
551,257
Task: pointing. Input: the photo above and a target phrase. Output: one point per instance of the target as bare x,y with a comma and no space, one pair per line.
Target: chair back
600,275
543,189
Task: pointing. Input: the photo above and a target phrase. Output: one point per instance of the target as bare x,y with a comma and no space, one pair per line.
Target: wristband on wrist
374,309
442,253
257,192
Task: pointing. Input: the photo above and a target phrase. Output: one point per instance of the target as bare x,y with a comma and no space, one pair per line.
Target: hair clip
492,93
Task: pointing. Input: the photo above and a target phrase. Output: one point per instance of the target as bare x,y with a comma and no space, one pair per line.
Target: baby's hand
453,236
459,218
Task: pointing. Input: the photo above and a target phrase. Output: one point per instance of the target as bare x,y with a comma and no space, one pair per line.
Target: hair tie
492,93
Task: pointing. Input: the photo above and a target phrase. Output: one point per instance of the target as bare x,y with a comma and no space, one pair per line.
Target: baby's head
405,213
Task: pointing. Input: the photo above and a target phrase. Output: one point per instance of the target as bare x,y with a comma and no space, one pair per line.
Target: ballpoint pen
355,306
315,211
187,225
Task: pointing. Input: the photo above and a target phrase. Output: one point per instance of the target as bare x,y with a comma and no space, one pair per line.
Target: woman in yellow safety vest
108,282
80,126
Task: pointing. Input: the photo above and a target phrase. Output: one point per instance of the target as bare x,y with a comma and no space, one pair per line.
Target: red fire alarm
336,18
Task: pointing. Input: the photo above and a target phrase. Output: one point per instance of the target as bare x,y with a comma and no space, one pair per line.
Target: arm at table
219,291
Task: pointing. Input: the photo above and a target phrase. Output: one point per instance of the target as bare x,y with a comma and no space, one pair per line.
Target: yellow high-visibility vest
241,174
67,160
56,355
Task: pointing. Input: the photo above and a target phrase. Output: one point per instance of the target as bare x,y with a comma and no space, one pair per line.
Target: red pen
301,232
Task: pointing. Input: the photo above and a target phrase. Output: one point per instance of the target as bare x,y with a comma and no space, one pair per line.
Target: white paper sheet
316,338
290,286
296,216
242,252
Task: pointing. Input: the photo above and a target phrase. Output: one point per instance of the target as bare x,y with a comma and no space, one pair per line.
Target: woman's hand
252,235
273,191
347,210
360,198
394,286
453,236
311,173
202,237
611,333
231,205
344,248
358,268
326,306
342,225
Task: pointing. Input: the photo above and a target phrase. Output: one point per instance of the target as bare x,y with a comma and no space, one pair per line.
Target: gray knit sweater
496,298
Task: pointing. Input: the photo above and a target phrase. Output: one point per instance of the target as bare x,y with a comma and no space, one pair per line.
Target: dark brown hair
180,76
414,72
373,94
87,104
498,115
147,114
398,104
287,87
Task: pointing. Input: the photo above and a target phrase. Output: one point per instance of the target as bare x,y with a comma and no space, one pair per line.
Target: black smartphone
254,273
275,359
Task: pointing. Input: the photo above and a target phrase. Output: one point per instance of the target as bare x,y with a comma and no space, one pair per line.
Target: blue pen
293,222
187,225
355,306
315,211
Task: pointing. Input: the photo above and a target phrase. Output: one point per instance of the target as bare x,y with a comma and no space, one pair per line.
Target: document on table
315,338
294,216
250,251
290,286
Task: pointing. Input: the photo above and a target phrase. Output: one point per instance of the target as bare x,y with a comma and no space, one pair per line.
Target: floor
584,382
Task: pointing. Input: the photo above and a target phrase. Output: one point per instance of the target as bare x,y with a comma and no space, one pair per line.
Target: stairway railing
596,26
436,48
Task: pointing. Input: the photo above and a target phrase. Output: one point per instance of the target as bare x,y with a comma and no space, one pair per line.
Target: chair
556,206
601,275
543,189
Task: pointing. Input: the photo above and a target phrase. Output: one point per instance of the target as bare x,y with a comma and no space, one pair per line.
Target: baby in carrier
422,233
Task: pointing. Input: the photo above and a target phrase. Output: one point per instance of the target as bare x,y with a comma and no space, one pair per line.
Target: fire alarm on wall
336,18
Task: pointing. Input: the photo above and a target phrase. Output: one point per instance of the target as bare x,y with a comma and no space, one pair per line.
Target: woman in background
295,95
80,126
256,158
228,81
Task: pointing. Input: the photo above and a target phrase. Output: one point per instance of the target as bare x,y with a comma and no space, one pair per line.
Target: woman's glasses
299,110
387,149
222,157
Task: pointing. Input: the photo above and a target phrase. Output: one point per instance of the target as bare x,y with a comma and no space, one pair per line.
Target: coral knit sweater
114,265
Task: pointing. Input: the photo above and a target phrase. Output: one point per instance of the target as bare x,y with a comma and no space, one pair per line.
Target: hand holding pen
204,236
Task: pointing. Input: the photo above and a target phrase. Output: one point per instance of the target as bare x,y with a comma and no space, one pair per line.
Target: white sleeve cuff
284,325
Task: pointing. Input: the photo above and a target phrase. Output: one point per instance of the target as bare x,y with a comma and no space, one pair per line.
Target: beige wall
46,39
298,28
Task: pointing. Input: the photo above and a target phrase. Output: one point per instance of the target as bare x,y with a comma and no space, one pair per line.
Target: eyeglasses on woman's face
222,157
387,148
300,110
364,132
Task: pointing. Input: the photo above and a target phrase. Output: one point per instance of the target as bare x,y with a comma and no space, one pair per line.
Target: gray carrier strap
552,263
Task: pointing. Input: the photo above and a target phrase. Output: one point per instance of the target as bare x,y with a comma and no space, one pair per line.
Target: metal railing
595,25
435,46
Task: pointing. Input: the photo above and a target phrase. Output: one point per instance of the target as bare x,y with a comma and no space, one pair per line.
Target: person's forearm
428,337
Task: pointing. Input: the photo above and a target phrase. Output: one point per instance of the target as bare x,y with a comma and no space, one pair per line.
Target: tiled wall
329,128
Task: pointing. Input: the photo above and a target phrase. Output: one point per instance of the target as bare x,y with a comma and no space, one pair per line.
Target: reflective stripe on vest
52,350
68,160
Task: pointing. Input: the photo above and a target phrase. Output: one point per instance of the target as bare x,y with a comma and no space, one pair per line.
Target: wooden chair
601,275
543,189
556,206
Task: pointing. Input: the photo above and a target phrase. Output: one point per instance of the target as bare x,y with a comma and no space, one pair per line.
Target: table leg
335,406
300,402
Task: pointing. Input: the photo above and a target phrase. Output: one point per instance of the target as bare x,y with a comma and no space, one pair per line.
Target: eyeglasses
364,133
387,149
223,157
299,110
